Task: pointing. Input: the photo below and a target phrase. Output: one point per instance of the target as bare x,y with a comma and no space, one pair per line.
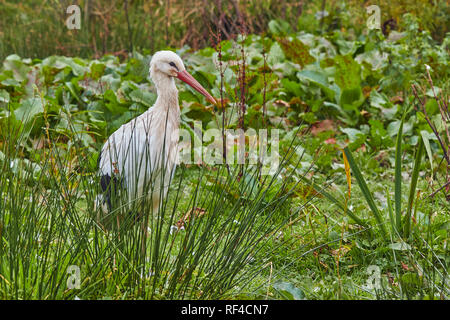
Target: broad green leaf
351,98
9,82
347,73
315,77
399,246
279,27
144,97
292,86
347,47
112,103
375,58
320,79
17,66
289,291
4,96
394,126
97,70
426,142
276,55
73,90
76,65
379,136
352,133
379,100
431,107
110,82
28,109
296,51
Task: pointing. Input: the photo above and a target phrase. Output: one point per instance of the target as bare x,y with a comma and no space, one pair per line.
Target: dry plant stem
242,101
243,87
265,86
440,188
105,15
130,40
324,2
167,22
427,118
222,106
442,111
217,44
445,145
242,84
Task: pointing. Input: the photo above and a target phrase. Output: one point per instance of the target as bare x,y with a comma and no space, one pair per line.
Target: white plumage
140,157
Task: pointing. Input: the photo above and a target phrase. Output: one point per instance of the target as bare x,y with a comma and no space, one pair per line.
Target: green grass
255,239
49,224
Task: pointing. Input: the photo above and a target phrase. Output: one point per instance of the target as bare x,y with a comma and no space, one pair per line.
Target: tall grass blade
398,178
365,190
344,208
412,188
391,213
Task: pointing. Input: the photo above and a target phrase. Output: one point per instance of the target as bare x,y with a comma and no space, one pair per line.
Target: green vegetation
351,105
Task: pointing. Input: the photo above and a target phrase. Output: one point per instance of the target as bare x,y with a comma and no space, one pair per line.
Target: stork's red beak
186,77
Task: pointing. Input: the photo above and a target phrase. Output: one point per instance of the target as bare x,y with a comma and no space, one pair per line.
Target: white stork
139,157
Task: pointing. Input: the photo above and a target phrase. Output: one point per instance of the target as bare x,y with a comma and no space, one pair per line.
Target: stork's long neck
167,91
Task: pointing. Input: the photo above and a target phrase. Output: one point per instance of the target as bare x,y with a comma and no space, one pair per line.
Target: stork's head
169,64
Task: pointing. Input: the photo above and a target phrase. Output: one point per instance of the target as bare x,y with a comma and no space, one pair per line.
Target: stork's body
140,157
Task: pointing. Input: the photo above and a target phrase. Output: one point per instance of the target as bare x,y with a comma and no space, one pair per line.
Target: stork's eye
173,65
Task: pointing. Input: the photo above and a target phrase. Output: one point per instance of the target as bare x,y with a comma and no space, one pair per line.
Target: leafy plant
399,226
